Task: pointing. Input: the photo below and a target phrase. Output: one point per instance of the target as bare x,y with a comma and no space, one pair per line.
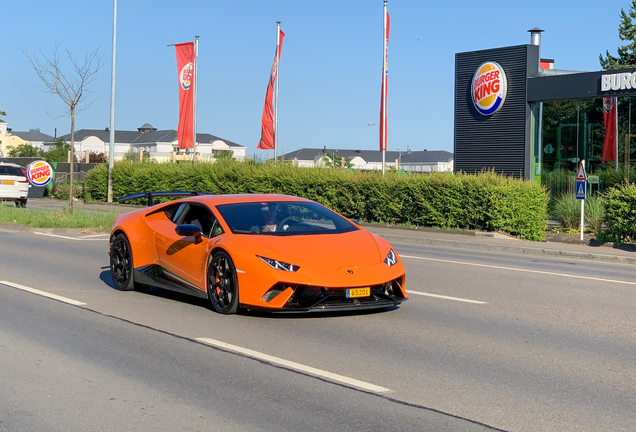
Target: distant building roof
33,135
143,135
406,157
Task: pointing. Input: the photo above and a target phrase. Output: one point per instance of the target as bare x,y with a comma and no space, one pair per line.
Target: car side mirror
355,221
189,230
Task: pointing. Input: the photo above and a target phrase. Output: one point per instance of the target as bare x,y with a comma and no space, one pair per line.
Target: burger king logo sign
39,173
185,77
489,88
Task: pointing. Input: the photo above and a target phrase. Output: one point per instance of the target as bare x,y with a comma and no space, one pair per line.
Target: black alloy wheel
223,284
121,263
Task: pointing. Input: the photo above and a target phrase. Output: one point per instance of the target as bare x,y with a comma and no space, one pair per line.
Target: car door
184,259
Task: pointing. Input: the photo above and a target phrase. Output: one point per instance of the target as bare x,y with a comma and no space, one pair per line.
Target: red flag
609,115
267,127
185,66
383,98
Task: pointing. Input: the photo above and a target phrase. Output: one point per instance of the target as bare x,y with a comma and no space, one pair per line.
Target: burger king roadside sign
489,88
39,173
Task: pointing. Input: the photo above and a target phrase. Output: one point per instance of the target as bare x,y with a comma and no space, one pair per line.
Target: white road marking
523,270
69,238
43,293
295,366
447,297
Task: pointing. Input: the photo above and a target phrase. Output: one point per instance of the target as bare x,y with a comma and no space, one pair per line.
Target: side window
200,216
171,211
178,212
216,229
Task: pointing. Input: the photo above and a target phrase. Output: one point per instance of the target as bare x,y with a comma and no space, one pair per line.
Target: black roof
144,135
33,135
406,157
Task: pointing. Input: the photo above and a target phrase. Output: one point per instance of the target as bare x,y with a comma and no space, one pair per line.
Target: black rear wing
151,195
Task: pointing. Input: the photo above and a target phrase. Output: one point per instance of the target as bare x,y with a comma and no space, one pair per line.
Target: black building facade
510,140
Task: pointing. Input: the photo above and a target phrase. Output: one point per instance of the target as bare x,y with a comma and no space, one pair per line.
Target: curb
60,231
511,249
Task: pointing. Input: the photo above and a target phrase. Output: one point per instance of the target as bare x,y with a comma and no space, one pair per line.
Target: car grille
322,298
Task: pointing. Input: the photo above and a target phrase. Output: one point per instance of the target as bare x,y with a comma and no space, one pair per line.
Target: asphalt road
486,341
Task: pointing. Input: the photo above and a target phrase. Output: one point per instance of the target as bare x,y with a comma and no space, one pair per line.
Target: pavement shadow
619,246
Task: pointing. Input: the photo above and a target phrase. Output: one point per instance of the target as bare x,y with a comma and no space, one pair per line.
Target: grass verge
56,219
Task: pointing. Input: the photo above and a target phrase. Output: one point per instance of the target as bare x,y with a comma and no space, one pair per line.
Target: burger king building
499,111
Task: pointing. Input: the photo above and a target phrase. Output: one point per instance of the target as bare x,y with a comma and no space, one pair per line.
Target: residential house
159,144
10,139
419,161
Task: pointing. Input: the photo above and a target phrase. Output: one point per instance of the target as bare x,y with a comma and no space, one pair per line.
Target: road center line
43,293
446,297
69,238
521,270
294,366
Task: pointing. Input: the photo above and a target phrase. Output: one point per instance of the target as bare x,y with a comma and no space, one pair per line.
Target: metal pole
194,98
629,137
111,144
582,219
616,129
276,92
583,204
384,92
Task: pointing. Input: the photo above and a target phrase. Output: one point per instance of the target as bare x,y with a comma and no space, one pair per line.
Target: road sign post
581,189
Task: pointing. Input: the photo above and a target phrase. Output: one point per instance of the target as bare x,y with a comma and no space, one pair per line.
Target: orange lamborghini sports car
259,252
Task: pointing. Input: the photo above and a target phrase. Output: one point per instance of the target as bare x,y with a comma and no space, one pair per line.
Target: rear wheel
223,284
21,203
121,263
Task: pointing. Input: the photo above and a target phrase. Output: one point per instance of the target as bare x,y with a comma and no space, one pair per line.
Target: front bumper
306,298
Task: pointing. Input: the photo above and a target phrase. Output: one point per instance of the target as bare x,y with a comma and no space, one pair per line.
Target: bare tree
71,86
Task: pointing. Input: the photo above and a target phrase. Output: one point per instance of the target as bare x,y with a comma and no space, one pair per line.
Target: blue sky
330,71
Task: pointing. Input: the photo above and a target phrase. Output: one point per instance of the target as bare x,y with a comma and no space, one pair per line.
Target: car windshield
283,218
9,170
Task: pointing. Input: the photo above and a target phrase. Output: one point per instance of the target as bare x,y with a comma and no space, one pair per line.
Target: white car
14,186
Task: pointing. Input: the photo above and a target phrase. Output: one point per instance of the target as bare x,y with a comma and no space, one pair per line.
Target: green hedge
487,201
620,213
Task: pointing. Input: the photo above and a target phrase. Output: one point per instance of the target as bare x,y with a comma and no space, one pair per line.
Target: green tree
26,150
2,113
626,57
225,154
58,151
71,86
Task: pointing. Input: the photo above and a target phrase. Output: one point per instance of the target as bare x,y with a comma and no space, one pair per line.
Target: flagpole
616,129
276,92
384,92
111,141
194,98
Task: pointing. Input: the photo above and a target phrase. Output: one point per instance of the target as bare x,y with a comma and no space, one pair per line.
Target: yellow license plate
358,292
8,182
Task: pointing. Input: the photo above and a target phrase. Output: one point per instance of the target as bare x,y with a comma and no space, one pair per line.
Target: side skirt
155,275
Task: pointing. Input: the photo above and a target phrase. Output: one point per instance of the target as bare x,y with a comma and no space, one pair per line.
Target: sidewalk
494,242
474,240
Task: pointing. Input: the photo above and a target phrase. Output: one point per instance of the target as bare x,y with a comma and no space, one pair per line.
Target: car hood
327,251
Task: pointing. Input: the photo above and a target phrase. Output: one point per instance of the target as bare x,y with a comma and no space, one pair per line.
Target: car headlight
391,258
279,265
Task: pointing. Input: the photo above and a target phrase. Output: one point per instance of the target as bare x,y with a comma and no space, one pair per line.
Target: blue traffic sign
581,189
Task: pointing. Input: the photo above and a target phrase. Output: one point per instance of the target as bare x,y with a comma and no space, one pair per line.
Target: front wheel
223,284
121,263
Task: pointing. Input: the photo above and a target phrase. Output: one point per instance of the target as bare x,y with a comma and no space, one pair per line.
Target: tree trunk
70,190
